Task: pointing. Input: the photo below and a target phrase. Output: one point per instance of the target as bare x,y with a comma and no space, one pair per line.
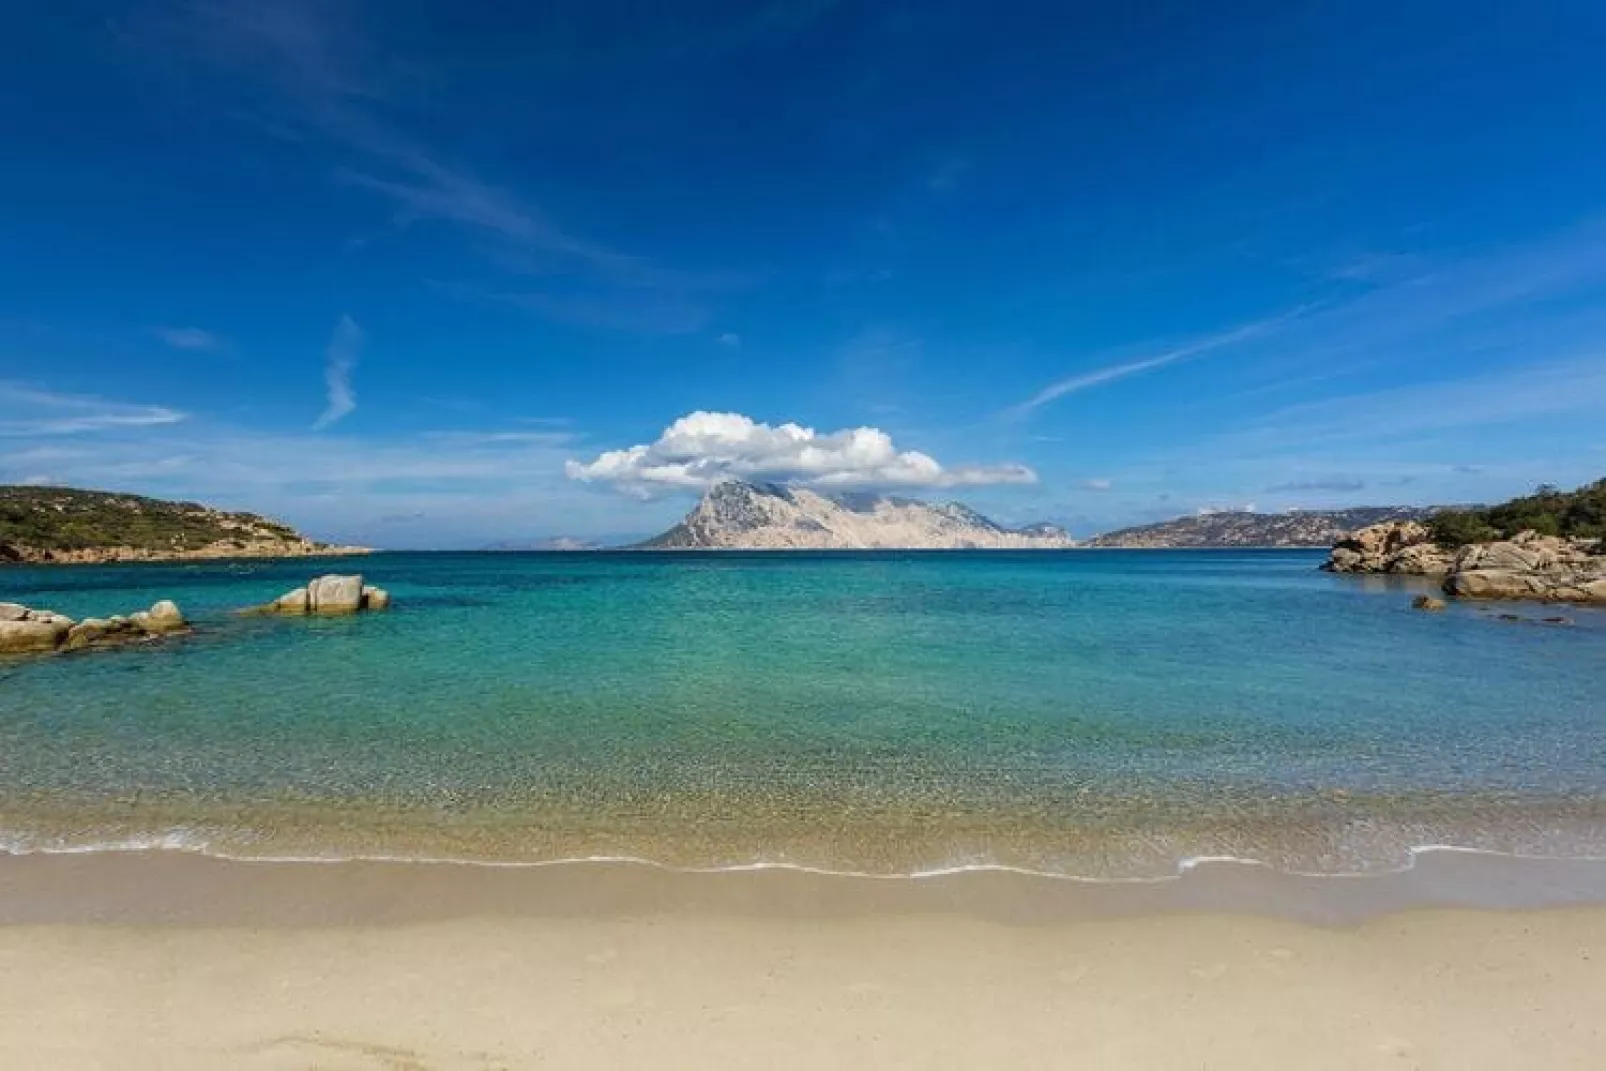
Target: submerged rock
1428,602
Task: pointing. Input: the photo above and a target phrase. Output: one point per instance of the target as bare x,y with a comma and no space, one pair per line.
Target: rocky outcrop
1526,566
1530,566
26,631
740,516
1399,547
332,594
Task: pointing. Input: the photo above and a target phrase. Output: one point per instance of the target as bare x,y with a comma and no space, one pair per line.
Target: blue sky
415,273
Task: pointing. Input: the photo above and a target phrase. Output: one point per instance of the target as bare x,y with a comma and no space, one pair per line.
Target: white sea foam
194,842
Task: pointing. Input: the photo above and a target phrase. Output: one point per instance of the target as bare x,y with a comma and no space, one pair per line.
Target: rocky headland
30,631
1526,566
68,526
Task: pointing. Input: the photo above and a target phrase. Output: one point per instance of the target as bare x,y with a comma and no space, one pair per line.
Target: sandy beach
149,961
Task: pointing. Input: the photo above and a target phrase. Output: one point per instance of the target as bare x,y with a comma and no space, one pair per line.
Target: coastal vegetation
1578,514
64,518
65,524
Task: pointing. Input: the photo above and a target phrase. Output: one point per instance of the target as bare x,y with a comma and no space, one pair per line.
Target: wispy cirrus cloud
189,338
26,410
457,487
1112,372
323,78
1329,483
1548,391
340,362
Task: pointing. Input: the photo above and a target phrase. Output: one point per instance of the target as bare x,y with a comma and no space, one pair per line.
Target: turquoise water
1101,713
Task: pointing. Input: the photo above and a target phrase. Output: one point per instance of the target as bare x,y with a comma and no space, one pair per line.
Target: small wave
195,842
172,840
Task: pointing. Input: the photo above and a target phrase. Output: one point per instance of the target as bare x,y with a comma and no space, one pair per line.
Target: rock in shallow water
29,636
164,616
335,594
332,594
42,631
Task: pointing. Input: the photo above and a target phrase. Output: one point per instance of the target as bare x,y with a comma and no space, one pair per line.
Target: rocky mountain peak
738,515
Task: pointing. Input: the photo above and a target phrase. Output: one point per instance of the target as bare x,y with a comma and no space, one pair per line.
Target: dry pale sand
1448,990
153,961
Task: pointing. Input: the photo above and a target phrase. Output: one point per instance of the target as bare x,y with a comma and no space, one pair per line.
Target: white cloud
1098,484
701,449
27,411
731,339
340,360
188,338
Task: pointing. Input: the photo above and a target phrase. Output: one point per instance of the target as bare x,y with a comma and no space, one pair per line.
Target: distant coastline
70,526
11,554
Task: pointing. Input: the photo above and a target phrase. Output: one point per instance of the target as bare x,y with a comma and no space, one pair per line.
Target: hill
735,515
63,524
1302,528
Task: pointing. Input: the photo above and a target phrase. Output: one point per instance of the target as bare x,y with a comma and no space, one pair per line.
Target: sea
1097,714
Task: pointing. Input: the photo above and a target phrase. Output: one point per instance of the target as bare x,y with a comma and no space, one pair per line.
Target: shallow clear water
1092,712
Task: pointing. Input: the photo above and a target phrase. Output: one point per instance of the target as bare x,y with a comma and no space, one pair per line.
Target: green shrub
1579,514
1458,527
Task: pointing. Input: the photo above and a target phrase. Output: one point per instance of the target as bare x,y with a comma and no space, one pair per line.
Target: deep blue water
1087,711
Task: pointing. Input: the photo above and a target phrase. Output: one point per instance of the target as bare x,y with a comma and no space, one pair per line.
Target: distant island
567,543
745,516
65,525
1296,528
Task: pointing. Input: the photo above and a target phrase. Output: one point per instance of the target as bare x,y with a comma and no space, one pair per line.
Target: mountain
735,515
63,524
1299,528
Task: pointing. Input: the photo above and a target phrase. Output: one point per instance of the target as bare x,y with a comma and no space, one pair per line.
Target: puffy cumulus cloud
701,449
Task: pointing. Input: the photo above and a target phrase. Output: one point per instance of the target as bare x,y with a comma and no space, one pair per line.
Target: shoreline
199,556
168,886
151,961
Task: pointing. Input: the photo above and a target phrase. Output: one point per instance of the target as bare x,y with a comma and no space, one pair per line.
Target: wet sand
165,960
